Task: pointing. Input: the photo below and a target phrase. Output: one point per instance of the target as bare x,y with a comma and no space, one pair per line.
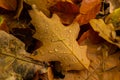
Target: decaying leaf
59,42
106,31
88,10
14,60
8,4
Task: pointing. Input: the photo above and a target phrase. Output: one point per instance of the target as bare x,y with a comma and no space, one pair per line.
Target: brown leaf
91,35
65,7
50,74
15,60
19,8
94,37
3,25
8,4
77,1
106,31
59,42
100,68
83,36
65,10
88,10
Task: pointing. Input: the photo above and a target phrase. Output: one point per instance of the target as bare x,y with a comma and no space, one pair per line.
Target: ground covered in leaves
59,40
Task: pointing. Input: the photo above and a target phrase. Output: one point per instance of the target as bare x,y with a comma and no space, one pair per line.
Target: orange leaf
8,4
88,10
83,37
91,35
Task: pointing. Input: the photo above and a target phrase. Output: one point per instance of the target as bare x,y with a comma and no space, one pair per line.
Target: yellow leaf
114,18
106,31
59,42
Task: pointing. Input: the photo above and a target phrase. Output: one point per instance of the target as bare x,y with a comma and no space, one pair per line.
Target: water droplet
46,25
65,58
60,56
52,40
74,60
99,48
56,50
64,52
70,31
45,31
51,51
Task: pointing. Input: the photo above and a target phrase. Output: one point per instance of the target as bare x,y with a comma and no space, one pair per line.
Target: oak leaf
59,42
88,10
100,68
106,31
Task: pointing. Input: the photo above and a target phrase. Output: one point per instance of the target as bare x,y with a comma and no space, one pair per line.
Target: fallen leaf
106,31
77,1
94,37
3,25
50,74
42,5
59,42
66,11
8,4
14,60
113,5
65,7
83,37
114,18
95,70
88,10
91,34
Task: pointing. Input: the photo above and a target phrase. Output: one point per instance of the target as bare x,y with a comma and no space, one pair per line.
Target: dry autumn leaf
14,60
88,10
42,5
99,69
59,42
8,4
106,31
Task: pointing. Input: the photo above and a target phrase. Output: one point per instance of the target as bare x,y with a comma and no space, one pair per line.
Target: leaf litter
59,40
